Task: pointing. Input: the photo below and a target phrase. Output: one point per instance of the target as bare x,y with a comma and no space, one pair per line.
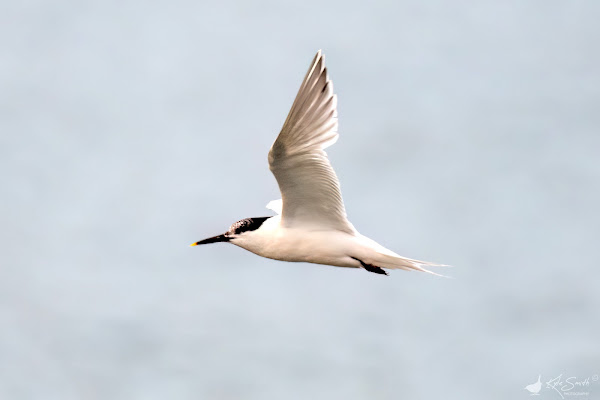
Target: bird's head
235,231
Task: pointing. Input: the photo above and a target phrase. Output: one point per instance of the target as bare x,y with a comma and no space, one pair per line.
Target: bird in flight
311,224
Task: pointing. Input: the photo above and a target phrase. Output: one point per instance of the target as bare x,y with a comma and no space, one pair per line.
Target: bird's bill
214,239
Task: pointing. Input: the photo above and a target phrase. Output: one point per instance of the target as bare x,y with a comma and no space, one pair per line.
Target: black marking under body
248,224
371,268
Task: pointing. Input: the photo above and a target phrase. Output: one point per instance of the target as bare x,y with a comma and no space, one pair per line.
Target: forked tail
389,261
375,255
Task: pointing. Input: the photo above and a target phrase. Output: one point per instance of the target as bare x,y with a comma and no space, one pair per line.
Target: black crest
248,224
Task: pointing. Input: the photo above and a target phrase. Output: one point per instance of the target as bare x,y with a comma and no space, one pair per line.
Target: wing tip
320,57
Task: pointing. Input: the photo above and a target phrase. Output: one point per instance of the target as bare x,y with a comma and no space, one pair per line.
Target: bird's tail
375,254
407,264
394,261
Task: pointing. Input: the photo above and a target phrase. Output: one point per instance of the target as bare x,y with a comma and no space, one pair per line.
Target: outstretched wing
309,187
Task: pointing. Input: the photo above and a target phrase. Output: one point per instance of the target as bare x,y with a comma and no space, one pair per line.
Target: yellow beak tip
193,244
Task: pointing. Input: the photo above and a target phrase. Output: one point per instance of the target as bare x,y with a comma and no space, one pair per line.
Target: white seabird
311,225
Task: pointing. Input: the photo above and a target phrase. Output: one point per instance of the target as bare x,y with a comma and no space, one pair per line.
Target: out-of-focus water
469,135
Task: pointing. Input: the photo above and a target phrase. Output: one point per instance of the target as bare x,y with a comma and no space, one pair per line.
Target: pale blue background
469,135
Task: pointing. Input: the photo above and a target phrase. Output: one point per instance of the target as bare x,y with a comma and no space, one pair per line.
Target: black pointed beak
214,239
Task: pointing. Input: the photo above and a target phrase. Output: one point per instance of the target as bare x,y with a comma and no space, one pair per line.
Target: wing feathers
299,106
310,190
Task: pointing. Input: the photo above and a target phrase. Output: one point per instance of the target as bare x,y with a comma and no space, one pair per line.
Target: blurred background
469,135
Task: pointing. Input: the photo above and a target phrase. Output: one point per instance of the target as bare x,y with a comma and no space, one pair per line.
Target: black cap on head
244,225
247,224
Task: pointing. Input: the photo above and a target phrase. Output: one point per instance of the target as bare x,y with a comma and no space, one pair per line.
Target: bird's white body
327,247
272,240
311,225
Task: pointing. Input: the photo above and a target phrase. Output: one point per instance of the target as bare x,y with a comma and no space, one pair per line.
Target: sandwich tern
311,224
